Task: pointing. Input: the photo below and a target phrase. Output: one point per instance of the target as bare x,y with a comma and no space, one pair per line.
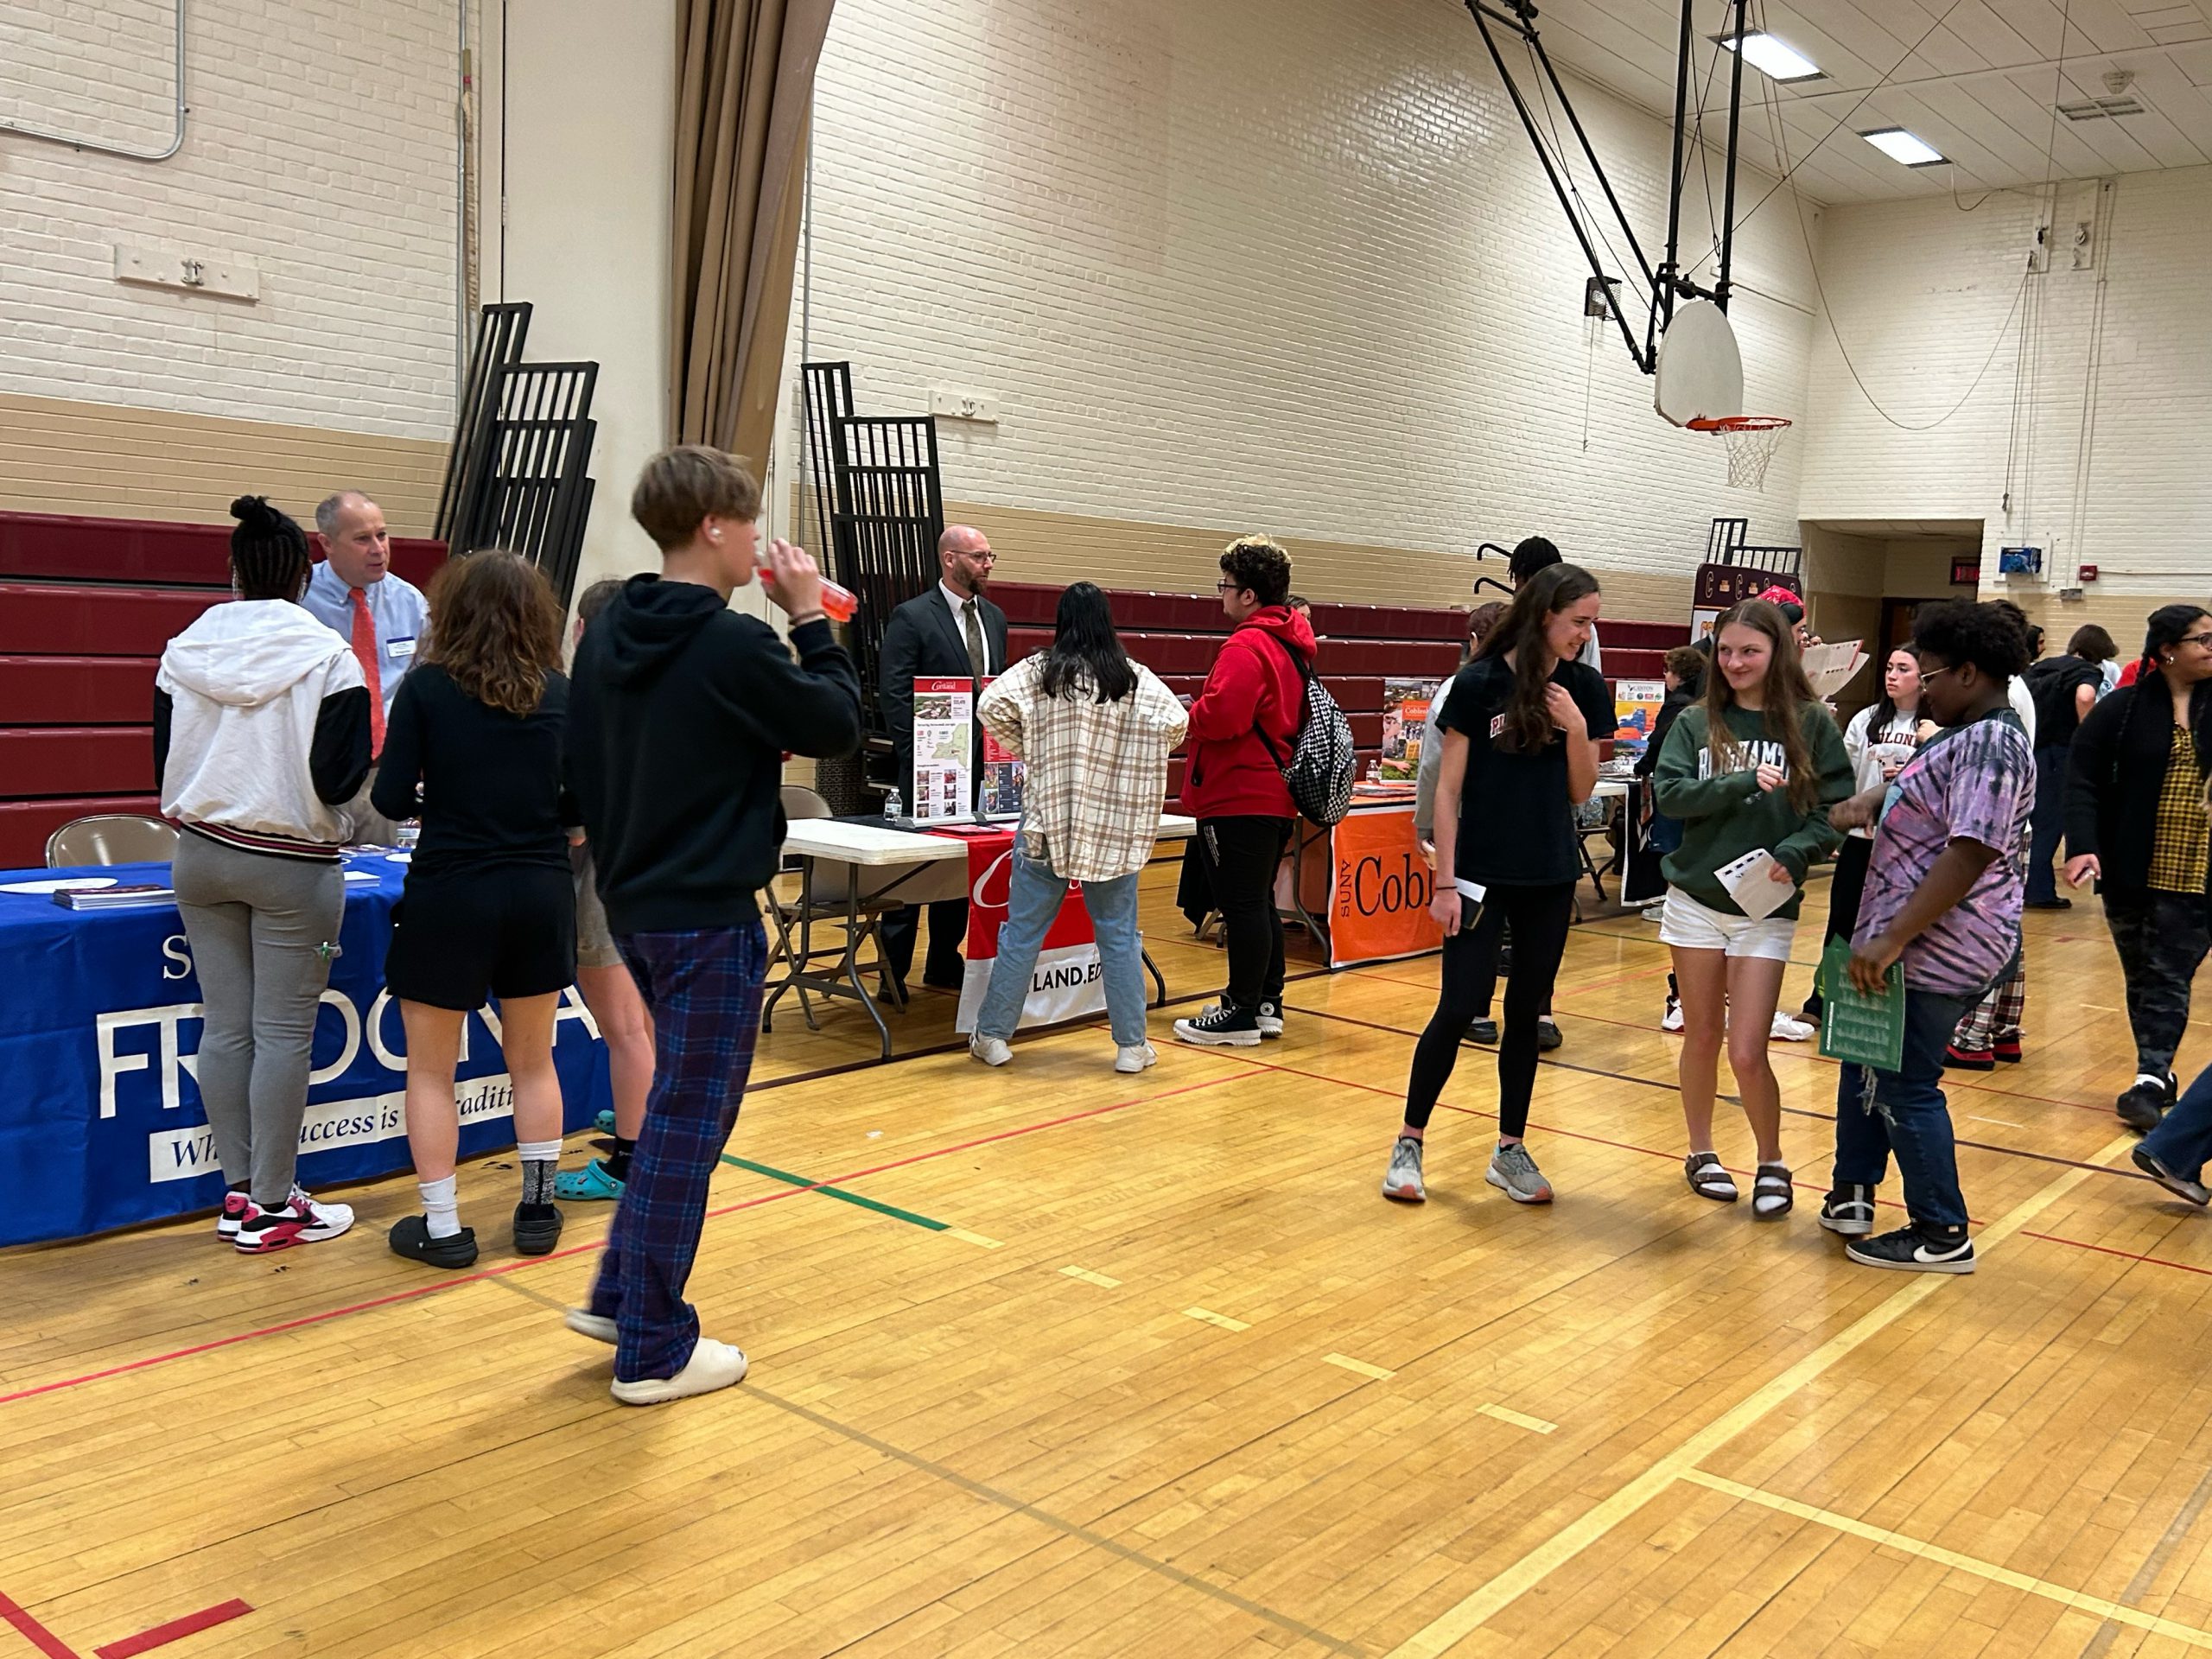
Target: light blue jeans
1032,903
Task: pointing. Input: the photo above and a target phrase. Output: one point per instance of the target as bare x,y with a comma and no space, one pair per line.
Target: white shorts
1699,927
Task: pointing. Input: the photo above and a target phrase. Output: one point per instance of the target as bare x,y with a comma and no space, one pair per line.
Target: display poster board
1405,723
999,793
1832,667
1701,621
1636,711
944,737
1065,983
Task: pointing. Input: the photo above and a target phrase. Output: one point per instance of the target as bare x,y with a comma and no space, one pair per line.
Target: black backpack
2051,683
1322,764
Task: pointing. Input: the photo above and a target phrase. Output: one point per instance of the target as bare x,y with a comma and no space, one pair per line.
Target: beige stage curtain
746,79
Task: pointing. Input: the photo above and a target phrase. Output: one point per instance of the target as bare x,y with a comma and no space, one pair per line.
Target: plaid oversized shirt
1097,771
2179,844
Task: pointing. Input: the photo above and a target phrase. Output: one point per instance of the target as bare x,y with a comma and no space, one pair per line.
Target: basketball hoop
1752,441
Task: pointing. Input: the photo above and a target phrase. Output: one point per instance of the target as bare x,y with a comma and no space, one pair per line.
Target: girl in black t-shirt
1520,726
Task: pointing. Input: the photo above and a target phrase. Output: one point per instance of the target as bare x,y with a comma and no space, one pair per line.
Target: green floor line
890,1209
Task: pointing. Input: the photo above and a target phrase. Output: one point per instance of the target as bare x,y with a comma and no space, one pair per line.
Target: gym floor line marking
1518,1419
2115,1611
1091,1278
837,1192
176,1630
417,1292
1207,1316
1474,1610
976,1239
1066,1528
1360,1366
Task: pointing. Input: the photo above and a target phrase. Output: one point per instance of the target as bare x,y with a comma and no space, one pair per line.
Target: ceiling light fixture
1774,59
1901,146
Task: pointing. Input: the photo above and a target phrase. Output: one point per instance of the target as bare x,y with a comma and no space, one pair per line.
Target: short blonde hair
681,487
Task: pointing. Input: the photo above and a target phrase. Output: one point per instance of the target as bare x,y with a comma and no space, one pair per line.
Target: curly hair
495,629
1782,706
1259,565
1992,636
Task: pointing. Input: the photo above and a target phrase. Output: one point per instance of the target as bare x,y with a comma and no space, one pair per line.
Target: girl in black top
1520,726
2135,820
490,908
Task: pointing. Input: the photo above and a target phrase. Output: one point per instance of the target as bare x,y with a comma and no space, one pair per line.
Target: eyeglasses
1928,674
1226,585
2195,639
980,558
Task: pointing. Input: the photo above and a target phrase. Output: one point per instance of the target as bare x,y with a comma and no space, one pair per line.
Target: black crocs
538,1229
410,1237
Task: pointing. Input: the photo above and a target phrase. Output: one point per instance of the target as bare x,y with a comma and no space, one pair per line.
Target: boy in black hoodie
678,712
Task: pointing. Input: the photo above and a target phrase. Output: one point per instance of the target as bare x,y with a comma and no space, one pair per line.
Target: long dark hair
1784,697
2165,627
1086,655
1885,706
1520,634
495,629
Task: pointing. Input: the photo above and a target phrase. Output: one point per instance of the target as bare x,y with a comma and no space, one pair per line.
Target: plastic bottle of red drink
838,604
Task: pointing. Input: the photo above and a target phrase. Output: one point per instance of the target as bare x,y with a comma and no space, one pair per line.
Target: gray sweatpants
262,929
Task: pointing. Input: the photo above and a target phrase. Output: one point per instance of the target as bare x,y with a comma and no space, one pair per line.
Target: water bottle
894,806
838,604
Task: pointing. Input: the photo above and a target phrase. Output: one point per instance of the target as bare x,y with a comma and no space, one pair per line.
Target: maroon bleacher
1176,636
86,606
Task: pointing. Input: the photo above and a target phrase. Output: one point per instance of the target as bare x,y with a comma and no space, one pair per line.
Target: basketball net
1752,441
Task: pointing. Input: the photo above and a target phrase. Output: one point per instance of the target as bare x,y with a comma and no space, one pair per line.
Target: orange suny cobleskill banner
1378,903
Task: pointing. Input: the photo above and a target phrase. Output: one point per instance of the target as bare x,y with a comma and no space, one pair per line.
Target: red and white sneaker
233,1212
301,1220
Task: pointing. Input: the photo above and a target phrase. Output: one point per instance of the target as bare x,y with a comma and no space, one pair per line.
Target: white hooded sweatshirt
245,682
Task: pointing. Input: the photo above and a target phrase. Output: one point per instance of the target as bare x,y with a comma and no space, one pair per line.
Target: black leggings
1240,853
1539,918
1845,887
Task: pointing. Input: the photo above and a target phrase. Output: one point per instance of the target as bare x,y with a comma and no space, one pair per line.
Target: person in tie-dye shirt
1943,898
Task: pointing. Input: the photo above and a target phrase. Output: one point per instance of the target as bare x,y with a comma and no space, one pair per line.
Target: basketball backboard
1701,373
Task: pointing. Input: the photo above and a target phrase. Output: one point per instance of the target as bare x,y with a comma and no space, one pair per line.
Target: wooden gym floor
1050,1361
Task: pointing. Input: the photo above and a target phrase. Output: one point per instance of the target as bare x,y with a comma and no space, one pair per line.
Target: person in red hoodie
1243,727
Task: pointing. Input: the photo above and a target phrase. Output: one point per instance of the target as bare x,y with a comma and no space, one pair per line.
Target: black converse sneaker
2140,1106
1223,1026
1849,1209
1909,1249
1270,1018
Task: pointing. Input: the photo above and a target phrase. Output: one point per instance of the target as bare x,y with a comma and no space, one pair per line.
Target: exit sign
1966,573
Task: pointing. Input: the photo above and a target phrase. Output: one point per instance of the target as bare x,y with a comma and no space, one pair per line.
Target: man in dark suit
950,631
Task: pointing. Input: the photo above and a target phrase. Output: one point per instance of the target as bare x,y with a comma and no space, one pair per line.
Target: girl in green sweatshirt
1754,769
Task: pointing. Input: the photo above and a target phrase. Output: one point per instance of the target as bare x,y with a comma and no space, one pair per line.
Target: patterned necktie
365,653
978,658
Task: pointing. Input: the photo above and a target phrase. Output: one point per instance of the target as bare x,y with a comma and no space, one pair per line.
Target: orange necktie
365,653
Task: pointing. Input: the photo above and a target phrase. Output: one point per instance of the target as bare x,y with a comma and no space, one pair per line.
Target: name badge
400,648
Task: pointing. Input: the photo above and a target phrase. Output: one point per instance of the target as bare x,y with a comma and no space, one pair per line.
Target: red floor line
420,1291
174,1630
2106,1249
34,1632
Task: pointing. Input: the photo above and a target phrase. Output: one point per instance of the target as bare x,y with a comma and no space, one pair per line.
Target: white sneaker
1135,1058
1672,1019
991,1050
585,1323
1402,1179
712,1365
1787,1030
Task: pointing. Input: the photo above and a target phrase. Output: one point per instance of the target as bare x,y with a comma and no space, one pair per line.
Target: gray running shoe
1403,1182
1514,1173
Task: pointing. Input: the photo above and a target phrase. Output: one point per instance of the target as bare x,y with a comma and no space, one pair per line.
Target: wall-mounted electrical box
963,405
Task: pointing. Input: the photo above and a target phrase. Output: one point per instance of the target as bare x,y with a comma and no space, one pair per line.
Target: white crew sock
441,1207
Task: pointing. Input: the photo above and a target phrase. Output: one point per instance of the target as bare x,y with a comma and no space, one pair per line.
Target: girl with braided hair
261,729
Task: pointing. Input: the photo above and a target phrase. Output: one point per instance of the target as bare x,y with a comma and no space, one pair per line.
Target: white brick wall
1275,264
321,143
2110,469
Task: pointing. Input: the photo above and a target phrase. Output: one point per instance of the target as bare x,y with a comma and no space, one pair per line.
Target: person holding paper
1879,741
1521,727
1750,773
1943,898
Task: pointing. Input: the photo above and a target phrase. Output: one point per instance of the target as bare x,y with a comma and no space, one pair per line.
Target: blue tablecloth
100,1120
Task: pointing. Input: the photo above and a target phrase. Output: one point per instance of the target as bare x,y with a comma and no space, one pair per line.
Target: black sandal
1708,1178
1772,1196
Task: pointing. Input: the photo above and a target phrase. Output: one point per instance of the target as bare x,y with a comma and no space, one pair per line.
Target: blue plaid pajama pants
703,988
